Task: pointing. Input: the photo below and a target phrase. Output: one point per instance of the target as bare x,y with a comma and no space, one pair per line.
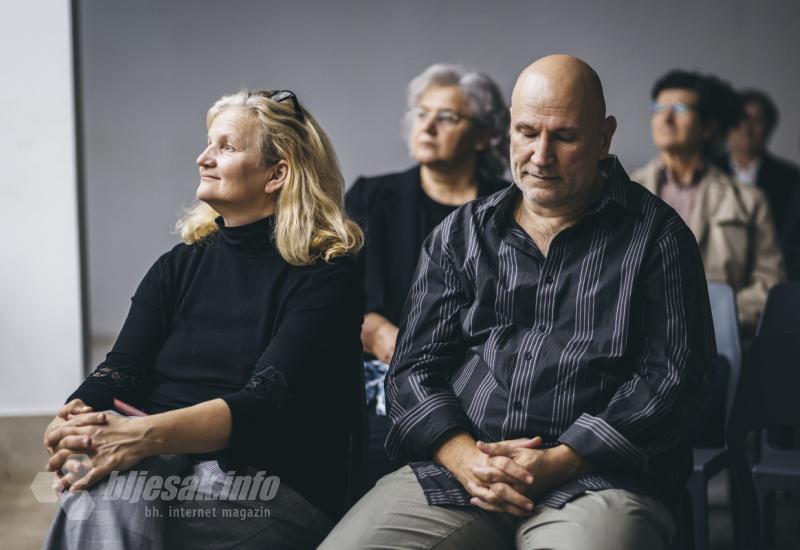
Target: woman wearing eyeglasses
241,344
457,132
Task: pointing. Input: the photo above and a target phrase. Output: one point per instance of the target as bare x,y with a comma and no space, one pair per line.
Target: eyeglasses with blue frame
677,108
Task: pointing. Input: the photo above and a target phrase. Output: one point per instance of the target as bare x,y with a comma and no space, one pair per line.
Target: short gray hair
487,109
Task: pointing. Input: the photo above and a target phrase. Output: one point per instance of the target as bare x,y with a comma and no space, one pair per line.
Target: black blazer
778,179
388,208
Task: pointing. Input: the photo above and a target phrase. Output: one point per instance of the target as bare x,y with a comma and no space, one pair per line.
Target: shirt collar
664,176
617,191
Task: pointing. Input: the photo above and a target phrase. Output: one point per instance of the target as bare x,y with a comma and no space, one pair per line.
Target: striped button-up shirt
606,344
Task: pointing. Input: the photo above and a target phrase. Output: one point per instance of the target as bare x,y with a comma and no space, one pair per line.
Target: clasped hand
512,472
86,446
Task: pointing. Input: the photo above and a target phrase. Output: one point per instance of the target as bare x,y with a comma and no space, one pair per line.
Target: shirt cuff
601,445
415,433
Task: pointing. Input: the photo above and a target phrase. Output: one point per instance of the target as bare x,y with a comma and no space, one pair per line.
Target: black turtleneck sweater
229,318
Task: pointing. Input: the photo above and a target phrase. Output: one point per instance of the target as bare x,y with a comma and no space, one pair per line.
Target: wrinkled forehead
537,97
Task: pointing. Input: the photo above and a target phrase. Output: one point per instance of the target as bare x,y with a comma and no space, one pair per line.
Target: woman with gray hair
457,131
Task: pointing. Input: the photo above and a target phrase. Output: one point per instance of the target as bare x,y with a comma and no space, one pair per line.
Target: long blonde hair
310,223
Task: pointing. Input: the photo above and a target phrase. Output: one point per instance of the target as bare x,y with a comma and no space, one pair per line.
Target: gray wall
152,68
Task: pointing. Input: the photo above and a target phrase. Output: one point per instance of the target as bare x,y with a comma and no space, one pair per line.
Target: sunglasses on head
282,95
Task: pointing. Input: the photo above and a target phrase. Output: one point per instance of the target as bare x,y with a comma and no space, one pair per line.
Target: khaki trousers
394,514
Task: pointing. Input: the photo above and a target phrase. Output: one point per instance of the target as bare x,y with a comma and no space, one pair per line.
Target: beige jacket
734,230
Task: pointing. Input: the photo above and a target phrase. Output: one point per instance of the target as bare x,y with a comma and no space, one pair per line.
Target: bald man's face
558,136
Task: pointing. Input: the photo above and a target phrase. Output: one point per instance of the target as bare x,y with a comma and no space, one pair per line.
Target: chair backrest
767,397
781,314
359,442
726,332
782,310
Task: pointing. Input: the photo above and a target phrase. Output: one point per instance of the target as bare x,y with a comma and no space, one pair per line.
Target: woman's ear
278,174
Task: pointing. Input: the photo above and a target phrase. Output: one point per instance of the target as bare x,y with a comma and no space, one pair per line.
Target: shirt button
517,406
527,355
549,280
542,328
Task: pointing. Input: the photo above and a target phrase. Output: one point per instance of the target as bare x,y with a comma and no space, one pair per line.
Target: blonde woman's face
232,172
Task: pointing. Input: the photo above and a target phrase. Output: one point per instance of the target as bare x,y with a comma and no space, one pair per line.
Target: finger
532,443
512,496
58,483
506,471
495,449
67,480
73,407
58,459
493,474
76,443
499,493
92,476
77,464
54,436
511,468
488,474
66,407
506,448
88,419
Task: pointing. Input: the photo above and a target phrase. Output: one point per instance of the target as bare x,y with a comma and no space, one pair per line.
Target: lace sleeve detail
114,377
270,384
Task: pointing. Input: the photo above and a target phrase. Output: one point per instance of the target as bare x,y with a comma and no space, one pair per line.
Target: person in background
749,161
457,132
241,344
732,222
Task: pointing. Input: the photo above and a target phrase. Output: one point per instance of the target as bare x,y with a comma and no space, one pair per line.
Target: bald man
556,342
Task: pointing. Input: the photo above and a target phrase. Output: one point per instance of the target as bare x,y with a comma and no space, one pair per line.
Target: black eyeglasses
282,95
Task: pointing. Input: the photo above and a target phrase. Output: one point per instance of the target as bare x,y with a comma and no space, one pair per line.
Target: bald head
564,81
559,134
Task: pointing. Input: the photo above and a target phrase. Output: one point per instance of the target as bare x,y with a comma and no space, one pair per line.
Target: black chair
782,310
709,461
781,313
768,396
778,447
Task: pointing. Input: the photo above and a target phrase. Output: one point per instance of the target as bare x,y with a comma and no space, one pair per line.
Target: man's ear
278,174
607,132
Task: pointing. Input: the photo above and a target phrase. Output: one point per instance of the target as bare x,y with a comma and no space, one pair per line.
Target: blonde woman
241,345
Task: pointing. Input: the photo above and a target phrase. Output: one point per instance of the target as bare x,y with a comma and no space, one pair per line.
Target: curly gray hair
487,109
